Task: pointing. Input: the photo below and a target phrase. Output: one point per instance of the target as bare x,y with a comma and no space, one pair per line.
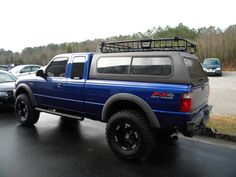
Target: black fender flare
152,119
26,89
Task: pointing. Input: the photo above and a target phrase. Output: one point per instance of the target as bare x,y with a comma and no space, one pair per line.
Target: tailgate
199,82
200,95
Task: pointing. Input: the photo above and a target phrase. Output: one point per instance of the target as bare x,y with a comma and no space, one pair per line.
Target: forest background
211,42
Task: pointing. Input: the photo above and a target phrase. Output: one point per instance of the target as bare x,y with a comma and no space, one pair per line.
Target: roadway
55,148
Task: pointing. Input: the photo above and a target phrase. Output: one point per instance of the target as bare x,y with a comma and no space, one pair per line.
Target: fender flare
27,89
152,119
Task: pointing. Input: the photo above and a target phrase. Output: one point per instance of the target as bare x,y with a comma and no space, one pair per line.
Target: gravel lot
223,94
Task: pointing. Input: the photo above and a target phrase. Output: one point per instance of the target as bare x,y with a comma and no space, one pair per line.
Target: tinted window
113,65
25,69
78,68
34,68
57,67
195,70
151,66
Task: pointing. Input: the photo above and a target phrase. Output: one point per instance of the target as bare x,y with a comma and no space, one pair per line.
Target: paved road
223,93
54,148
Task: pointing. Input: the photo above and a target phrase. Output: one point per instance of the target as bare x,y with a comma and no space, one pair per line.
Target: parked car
7,85
4,67
212,66
139,88
23,70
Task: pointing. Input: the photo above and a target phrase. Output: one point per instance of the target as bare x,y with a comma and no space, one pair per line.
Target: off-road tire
24,110
130,124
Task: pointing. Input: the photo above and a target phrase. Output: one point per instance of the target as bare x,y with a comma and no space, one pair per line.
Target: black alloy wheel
24,110
129,135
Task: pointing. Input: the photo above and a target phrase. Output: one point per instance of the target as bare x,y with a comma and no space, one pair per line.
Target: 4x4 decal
163,95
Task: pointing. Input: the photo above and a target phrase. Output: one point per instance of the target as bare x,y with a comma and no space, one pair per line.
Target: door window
34,68
77,68
25,69
57,67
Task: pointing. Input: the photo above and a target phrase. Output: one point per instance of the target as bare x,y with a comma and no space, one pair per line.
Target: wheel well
21,91
121,105
24,89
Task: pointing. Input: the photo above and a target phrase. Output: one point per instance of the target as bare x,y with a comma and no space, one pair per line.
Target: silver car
7,85
212,66
23,70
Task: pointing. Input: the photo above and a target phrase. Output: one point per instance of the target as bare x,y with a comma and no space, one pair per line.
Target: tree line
211,42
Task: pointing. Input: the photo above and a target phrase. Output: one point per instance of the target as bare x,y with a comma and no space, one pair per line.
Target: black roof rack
162,44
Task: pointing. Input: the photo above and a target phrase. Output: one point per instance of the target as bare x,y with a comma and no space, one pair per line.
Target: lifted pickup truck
139,88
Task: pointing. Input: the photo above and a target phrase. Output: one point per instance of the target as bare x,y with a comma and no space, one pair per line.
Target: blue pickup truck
139,88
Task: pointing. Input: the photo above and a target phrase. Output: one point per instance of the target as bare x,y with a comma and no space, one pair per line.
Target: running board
59,113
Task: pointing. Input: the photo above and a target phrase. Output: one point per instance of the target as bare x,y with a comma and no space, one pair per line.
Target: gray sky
31,23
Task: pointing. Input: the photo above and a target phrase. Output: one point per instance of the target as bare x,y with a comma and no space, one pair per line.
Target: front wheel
129,135
24,110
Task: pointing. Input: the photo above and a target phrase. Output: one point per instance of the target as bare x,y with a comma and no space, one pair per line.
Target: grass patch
224,124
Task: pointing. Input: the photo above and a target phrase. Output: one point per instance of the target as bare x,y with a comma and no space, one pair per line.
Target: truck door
50,91
75,86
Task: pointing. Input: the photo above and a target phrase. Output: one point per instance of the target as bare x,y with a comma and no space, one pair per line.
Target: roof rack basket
162,44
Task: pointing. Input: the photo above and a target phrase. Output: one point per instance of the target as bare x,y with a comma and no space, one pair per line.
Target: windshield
16,69
211,62
5,77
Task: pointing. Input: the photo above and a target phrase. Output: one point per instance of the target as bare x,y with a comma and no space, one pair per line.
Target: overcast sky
31,23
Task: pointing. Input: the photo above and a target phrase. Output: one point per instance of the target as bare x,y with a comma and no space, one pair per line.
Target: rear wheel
24,110
129,135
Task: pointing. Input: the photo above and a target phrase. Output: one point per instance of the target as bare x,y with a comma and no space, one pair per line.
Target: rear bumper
199,120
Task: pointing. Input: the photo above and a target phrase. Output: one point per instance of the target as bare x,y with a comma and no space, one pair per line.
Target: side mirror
40,73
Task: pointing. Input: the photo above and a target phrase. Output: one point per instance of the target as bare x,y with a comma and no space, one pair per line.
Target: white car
23,70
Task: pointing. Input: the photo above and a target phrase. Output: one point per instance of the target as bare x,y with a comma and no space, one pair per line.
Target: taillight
186,102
